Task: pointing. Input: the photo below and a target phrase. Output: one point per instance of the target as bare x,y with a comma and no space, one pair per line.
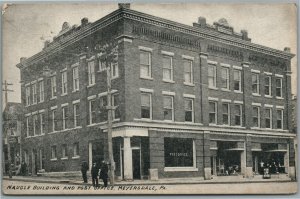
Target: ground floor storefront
157,153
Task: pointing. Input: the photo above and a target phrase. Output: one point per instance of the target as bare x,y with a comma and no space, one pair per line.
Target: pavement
164,181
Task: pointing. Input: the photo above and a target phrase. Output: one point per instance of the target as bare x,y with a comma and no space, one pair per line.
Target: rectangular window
103,110
30,126
54,121
53,152
42,123
36,125
53,86
268,118
168,107
65,117
213,112
146,105
167,68
92,111
76,149
179,152
238,115
41,91
115,104
34,94
64,83
64,151
188,71
237,80
225,78
279,119
268,85
212,76
76,115
189,109
101,65
255,83
75,79
114,70
256,116
145,64
27,95
27,126
278,87
226,113
91,73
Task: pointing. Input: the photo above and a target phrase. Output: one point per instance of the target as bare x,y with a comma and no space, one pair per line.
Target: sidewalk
166,181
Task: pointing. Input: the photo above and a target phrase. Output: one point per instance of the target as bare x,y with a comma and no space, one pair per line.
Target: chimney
287,49
202,21
22,59
244,34
46,43
84,21
124,5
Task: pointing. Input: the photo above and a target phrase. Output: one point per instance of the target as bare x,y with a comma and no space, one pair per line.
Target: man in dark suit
94,173
84,168
104,173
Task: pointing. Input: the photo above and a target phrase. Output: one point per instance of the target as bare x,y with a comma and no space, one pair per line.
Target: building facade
12,124
189,101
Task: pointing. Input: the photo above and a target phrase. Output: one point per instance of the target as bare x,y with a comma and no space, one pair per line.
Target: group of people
95,173
273,167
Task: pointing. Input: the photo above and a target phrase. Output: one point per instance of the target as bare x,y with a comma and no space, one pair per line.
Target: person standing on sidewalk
94,173
84,168
104,173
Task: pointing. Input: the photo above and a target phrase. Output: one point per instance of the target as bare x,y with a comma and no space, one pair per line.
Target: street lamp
109,55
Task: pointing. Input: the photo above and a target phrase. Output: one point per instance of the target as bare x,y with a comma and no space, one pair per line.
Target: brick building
197,100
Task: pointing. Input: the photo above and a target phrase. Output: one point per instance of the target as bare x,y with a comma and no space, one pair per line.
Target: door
97,153
136,163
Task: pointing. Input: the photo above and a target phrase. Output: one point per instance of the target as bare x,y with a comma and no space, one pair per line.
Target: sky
26,27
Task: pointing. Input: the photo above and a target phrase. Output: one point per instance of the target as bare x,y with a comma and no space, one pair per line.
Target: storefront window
178,152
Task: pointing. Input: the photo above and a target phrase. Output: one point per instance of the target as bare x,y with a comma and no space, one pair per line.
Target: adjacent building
12,124
190,101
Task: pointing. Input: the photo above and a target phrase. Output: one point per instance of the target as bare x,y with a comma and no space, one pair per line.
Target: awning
235,149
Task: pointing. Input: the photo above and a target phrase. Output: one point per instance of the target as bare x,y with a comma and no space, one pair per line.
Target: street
27,188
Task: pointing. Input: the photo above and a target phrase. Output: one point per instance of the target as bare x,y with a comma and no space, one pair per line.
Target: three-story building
189,101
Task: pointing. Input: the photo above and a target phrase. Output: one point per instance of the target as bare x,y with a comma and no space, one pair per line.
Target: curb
147,184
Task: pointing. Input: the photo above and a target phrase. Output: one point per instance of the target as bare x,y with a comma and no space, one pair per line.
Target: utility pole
6,90
109,127
109,54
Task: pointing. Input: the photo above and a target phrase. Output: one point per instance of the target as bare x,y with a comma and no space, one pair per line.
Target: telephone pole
6,90
109,54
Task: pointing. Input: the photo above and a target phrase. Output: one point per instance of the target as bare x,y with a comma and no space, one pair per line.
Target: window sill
94,124
189,122
147,78
89,86
34,136
171,169
256,94
168,81
225,89
188,84
65,158
76,157
41,102
77,127
99,71
268,96
213,88
74,91
64,94
52,98
54,159
240,92
255,128
281,98
116,77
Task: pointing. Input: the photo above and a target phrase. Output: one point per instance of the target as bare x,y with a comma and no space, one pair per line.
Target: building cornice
56,46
